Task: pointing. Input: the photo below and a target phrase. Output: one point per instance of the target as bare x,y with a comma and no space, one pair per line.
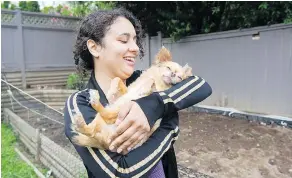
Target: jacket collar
92,84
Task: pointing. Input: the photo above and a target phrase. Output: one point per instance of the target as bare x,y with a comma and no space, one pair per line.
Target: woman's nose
134,47
172,74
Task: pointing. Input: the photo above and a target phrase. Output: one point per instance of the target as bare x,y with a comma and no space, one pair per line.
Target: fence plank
31,146
62,163
57,169
38,144
62,155
54,168
21,124
20,48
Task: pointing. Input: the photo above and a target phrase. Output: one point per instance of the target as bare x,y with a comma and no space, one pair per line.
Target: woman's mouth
130,61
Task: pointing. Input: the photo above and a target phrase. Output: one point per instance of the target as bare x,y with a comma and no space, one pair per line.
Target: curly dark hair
94,27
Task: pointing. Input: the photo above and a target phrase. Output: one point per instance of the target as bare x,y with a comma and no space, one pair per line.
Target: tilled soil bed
221,146
217,146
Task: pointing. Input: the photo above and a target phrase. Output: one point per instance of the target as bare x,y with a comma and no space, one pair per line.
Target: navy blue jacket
140,161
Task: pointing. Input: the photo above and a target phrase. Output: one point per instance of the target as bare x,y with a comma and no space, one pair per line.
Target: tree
83,8
13,7
78,8
48,10
5,5
22,5
181,18
177,19
31,6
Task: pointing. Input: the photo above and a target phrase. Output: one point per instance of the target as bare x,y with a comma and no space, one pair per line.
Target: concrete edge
234,113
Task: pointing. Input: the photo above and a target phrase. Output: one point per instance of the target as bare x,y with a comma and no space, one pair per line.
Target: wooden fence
62,163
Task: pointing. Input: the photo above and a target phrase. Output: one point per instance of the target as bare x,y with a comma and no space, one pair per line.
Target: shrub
75,82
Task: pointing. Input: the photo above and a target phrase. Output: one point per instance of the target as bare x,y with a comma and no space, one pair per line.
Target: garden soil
217,146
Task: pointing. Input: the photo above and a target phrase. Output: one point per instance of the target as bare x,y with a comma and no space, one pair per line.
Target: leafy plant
83,8
31,6
5,5
75,82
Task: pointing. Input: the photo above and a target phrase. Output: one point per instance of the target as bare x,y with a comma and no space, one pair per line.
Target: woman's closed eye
123,41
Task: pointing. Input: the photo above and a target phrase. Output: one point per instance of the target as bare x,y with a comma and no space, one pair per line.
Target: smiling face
116,57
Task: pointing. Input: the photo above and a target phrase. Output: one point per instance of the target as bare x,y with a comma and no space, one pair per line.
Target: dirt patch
216,145
220,146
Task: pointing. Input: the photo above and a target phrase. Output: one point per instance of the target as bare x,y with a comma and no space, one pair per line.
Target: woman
108,42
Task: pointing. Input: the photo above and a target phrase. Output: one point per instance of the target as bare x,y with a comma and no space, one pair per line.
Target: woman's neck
103,80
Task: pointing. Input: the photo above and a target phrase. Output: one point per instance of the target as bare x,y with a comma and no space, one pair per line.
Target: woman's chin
127,73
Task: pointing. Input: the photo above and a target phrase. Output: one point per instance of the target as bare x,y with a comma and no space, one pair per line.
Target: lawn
11,164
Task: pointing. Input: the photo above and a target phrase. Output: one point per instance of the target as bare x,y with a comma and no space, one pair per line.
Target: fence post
19,43
148,49
6,117
11,101
38,144
159,39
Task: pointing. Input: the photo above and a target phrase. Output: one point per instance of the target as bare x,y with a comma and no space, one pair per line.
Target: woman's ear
93,48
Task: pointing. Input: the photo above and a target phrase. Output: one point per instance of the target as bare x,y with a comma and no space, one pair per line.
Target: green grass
12,166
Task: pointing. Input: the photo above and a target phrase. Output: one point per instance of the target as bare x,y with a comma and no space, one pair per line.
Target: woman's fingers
135,122
122,138
138,141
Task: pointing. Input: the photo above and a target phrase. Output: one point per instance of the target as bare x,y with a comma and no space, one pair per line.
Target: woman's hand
132,127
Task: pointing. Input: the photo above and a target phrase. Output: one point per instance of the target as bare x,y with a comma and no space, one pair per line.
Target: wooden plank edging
48,149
